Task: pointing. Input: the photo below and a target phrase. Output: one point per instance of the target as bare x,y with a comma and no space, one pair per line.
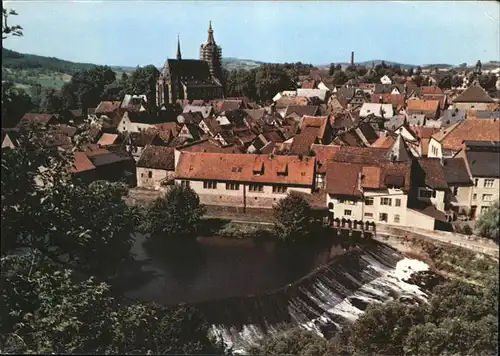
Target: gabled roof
81,163
241,168
33,118
474,94
301,110
107,139
455,171
323,153
469,129
292,100
431,173
364,155
211,146
429,89
157,157
483,162
107,107
302,142
422,106
452,116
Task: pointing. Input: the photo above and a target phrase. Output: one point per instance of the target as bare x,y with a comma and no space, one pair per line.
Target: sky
131,33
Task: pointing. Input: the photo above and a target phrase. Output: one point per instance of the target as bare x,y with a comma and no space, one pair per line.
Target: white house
385,80
379,110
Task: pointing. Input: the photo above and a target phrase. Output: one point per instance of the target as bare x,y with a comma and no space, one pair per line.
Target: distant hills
27,69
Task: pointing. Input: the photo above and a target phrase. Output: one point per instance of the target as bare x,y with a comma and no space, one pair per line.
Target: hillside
28,69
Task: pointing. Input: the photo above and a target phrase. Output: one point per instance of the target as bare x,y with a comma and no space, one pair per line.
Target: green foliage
15,103
50,101
20,61
339,78
488,223
295,342
89,85
271,79
445,81
48,310
143,81
177,214
293,217
382,329
9,30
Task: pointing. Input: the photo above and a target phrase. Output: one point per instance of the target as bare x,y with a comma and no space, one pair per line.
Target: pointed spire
178,48
210,33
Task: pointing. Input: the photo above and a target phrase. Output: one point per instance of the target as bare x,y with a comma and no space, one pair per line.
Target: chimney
352,58
360,179
380,99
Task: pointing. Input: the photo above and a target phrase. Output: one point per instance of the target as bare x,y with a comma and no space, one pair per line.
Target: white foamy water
337,310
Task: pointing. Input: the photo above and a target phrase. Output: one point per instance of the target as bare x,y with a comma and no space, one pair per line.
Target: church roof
188,69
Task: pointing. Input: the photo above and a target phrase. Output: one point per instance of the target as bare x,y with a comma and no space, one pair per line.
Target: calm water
217,267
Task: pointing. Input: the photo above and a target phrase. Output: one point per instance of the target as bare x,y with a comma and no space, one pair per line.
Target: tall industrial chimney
352,58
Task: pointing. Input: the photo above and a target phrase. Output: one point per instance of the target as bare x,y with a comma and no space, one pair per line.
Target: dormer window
258,168
282,170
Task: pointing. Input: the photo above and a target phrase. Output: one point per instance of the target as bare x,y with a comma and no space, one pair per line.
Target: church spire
178,48
210,33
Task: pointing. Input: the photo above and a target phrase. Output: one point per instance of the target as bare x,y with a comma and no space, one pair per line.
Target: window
398,202
484,209
425,193
369,215
185,183
487,197
210,184
150,174
455,191
368,201
382,217
279,189
256,188
232,186
474,196
396,218
386,201
488,183
476,182
347,212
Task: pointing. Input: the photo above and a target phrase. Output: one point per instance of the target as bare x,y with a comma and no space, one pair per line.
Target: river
252,288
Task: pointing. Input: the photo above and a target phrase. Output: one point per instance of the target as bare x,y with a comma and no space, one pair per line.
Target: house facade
156,167
244,180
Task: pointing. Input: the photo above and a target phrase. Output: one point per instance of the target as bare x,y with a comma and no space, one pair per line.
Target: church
192,79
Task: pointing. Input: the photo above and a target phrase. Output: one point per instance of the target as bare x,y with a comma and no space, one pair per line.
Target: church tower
211,53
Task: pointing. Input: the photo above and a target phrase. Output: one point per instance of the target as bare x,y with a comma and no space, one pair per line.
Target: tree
50,101
7,30
456,81
293,217
331,70
271,79
177,214
383,328
418,71
488,82
49,310
295,342
15,103
89,85
445,82
143,81
488,222
339,78
69,99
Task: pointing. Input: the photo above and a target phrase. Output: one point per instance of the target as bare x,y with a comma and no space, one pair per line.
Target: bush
177,214
293,217
467,230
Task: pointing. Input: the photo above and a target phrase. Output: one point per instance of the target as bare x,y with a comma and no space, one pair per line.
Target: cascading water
331,298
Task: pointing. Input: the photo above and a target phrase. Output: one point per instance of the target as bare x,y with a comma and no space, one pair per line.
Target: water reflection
216,267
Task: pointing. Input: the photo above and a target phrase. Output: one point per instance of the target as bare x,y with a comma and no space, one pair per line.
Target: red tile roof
107,107
474,94
40,119
157,157
365,155
81,163
384,142
292,100
342,178
469,129
430,89
107,139
323,153
397,100
253,168
211,146
422,105
301,144
433,173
